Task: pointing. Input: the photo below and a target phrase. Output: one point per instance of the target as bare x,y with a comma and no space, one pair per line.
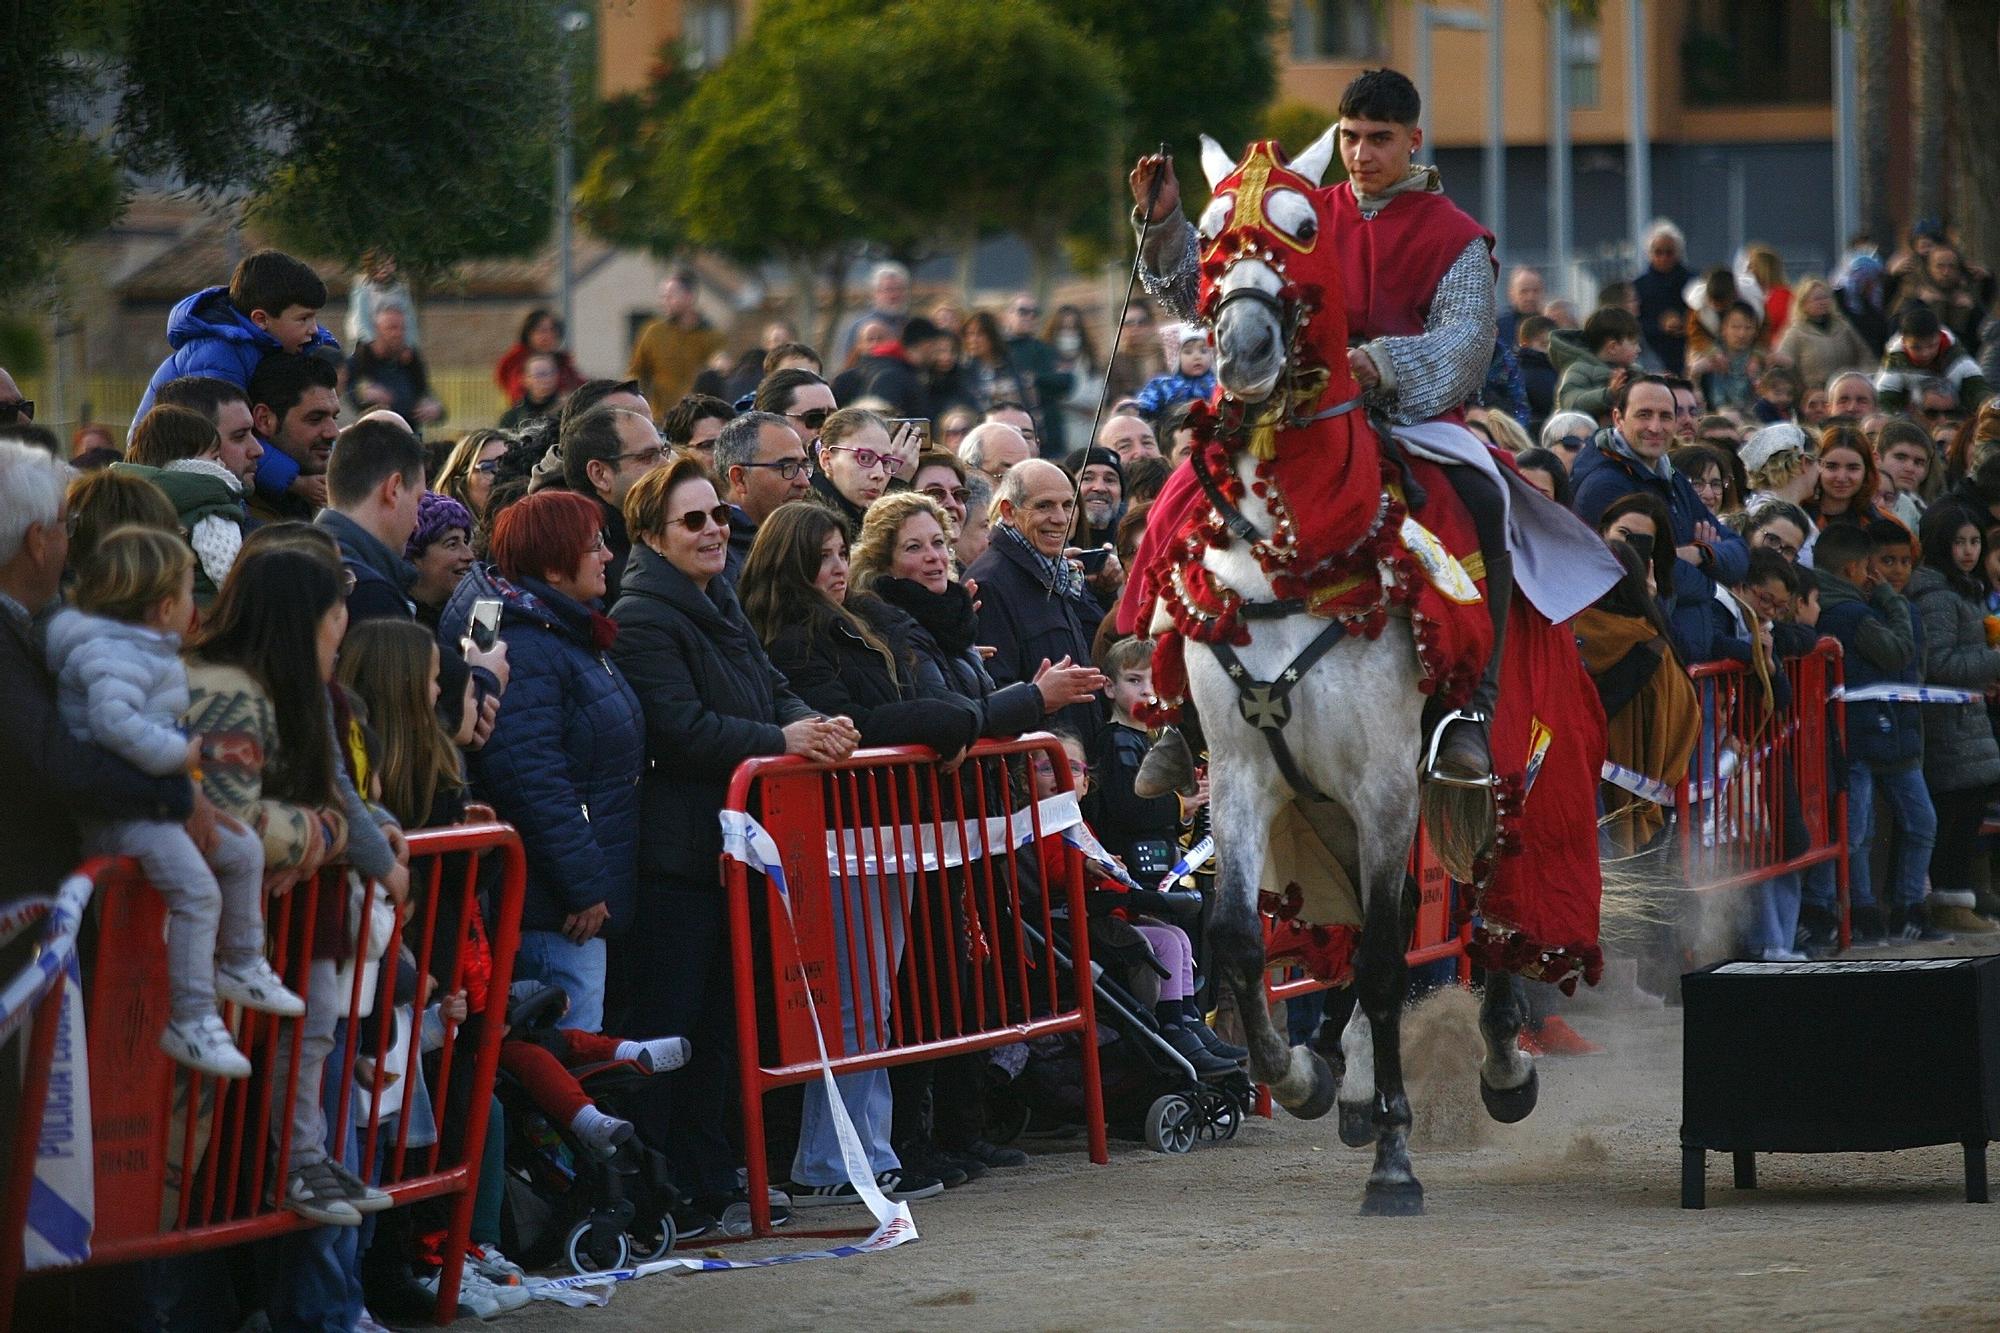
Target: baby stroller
1151,1091
563,1203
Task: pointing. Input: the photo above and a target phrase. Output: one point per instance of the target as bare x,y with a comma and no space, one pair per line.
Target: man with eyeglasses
1038,359
761,464
604,452
691,425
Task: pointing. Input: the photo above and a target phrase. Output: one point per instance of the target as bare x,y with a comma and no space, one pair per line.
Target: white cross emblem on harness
1263,711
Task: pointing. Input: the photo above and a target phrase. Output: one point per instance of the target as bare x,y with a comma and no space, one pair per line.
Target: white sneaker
494,1266
663,1053
204,1044
314,1194
255,986
478,1297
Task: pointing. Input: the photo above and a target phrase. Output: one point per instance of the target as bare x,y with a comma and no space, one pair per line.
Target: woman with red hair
563,762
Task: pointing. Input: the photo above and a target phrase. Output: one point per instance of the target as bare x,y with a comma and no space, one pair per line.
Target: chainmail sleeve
1427,374
1169,264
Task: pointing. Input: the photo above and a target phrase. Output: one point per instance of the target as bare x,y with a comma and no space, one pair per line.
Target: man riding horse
1420,303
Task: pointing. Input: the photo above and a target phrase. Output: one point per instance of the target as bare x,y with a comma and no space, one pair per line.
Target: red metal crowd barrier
1751,760
185,1162
922,929
39,1039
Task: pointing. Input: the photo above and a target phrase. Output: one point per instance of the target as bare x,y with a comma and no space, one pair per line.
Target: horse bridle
1263,703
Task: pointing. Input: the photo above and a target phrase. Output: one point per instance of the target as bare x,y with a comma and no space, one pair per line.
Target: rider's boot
1168,767
1461,753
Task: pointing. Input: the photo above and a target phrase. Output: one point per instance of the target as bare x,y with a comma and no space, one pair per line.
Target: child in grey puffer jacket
121,684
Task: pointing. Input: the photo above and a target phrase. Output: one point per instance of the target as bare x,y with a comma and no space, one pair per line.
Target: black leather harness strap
1232,517
1263,703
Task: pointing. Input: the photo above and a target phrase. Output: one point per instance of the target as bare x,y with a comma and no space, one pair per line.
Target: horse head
1270,285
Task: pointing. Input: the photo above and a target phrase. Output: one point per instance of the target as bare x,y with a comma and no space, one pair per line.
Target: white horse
1347,750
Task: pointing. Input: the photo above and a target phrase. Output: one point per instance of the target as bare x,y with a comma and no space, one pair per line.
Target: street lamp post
1559,163
1639,162
1431,18
569,23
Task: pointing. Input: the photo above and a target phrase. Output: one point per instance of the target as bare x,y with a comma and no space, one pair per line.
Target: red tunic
1391,263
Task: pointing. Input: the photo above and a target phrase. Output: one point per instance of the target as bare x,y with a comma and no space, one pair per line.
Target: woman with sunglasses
1567,435
711,699
562,764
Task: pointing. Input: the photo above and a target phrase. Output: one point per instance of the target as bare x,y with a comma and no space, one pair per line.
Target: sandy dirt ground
1570,1220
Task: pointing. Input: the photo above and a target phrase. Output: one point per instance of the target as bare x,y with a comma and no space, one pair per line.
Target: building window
1584,61
708,31
1336,30
1757,53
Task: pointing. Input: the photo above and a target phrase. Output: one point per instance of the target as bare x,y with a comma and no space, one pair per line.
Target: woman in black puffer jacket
710,699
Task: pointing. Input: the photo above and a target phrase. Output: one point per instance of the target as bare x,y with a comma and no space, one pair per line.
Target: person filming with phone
564,759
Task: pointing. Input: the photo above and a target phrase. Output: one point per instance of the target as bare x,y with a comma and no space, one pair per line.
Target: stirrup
1431,773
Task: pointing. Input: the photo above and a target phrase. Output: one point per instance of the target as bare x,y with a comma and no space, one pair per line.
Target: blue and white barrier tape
62,1207
1196,857
1892,693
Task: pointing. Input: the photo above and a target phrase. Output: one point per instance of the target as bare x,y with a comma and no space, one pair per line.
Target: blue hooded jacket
212,338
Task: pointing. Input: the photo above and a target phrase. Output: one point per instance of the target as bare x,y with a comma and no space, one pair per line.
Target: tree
1189,67
1973,40
423,130
61,185
976,118
1875,110
1928,82
720,164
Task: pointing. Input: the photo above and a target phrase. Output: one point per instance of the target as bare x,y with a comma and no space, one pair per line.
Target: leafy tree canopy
943,117
423,130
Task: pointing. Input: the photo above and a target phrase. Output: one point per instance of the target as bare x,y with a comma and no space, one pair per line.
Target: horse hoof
1512,1104
1357,1124
1398,1199
1326,1086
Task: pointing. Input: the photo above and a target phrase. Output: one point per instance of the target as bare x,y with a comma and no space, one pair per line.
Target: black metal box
1847,1055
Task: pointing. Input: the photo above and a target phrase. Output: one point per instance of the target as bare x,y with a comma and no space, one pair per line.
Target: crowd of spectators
914,540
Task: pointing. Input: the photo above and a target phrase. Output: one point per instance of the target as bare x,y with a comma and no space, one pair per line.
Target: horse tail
1461,823
1636,900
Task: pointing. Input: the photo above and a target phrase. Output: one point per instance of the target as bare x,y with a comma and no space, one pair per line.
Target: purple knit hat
435,514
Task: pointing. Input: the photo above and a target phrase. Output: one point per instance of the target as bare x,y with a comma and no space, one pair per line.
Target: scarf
1653,734
1059,576
1423,179
947,616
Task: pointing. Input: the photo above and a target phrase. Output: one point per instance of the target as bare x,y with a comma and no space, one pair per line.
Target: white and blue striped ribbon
1195,858
746,840
62,1207
1893,693
890,849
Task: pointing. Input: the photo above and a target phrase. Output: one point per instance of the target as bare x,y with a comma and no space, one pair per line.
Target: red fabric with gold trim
1538,904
